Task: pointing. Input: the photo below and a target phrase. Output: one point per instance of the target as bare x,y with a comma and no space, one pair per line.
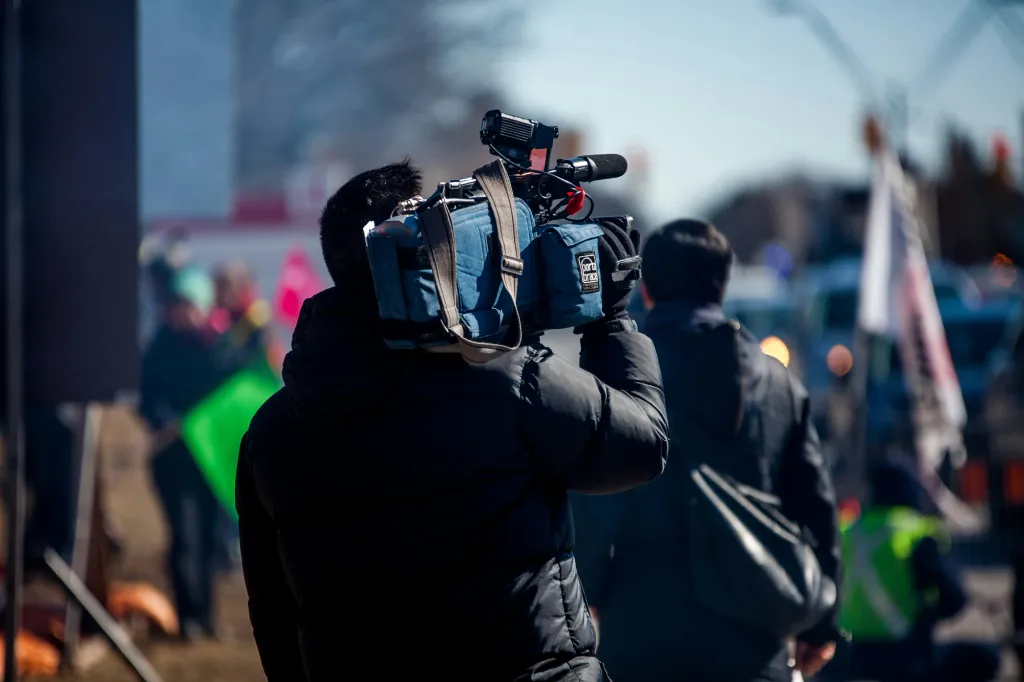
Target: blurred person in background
901,584
180,367
632,550
242,319
403,513
162,258
160,271
240,315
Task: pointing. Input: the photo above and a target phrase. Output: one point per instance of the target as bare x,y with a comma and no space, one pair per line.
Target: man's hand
618,243
810,659
163,437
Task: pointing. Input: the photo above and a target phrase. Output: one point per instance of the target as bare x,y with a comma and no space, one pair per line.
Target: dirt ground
133,508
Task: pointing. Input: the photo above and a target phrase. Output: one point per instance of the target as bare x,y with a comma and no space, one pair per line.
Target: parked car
774,320
974,333
828,297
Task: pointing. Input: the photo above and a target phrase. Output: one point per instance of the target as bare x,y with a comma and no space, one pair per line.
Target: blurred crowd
207,326
285,126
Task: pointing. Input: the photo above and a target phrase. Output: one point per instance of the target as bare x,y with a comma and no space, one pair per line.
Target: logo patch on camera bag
590,278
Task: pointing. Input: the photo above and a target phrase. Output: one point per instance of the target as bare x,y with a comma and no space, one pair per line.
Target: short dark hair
687,260
371,195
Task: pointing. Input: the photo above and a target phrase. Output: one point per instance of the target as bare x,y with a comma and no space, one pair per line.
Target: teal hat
194,285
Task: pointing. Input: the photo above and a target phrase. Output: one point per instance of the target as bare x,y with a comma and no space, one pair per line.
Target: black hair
894,482
161,273
687,260
369,196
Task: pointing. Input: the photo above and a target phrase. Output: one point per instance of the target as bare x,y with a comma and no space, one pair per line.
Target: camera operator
403,513
641,577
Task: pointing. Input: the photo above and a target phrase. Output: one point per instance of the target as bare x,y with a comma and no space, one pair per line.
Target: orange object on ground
35,656
127,599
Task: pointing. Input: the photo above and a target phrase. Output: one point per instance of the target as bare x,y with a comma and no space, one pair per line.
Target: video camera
499,253
525,148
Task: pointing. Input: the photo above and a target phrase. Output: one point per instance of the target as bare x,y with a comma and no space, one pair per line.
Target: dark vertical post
15,441
86,456
861,381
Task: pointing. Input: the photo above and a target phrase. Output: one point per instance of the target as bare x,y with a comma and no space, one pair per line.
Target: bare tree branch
381,77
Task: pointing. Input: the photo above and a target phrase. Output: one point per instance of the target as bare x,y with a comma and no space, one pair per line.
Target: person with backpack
676,593
404,514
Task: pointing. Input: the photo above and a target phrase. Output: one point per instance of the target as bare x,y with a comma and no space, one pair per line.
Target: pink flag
298,281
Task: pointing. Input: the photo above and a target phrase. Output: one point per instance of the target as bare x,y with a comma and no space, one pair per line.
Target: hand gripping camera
490,258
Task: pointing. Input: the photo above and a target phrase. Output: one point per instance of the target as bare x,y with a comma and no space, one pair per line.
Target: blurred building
794,213
813,220
980,206
186,122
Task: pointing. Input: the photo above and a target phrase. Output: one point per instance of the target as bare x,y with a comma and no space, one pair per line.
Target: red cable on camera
575,203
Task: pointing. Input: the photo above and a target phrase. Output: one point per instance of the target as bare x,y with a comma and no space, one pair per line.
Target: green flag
214,428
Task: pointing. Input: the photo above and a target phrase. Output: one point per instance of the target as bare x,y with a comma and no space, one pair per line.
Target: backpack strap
439,237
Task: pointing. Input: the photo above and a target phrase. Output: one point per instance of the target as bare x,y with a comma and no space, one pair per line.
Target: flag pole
858,449
863,340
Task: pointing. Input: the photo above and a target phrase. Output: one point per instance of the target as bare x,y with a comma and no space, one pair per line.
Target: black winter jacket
403,514
179,369
633,555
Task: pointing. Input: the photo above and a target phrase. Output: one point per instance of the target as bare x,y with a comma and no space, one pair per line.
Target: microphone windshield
607,166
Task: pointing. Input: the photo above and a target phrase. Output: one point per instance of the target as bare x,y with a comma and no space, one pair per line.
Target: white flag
876,312
897,300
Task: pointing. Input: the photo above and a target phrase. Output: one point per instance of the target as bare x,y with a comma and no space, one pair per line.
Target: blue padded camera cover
572,274
559,286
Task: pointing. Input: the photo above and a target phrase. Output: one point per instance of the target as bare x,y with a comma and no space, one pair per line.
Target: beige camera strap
439,237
